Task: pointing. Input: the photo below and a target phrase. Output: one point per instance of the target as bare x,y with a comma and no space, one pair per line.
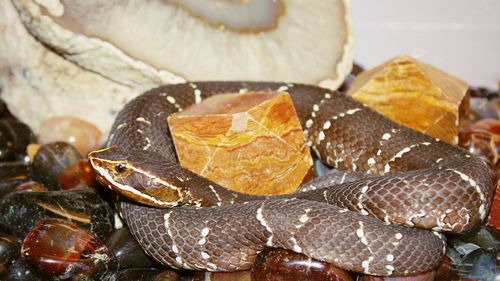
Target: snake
390,219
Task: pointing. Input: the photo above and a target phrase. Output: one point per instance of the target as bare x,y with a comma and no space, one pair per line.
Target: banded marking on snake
378,221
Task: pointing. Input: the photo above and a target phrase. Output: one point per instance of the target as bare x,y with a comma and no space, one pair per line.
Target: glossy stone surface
494,216
50,160
77,132
30,186
12,174
56,249
415,94
284,265
250,142
19,271
480,264
221,276
14,138
145,274
20,211
482,138
127,251
77,175
9,251
446,271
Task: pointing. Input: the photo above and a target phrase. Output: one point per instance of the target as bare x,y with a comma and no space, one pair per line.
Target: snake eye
120,168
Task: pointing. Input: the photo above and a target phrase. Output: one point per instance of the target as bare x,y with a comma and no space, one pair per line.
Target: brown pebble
80,133
427,276
30,186
77,175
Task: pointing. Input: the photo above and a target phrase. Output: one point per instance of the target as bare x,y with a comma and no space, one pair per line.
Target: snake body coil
367,225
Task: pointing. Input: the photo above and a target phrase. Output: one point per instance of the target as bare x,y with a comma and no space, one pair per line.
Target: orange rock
250,142
415,94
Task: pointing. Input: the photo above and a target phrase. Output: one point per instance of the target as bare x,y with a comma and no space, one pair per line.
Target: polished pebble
19,271
222,276
446,271
9,251
127,251
145,274
482,139
80,133
30,186
77,175
284,265
14,138
12,174
50,160
20,211
56,249
480,264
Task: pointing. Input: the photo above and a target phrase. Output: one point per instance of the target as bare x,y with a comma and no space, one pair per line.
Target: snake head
122,171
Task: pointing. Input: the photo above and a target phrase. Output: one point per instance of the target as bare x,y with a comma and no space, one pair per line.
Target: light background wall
461,37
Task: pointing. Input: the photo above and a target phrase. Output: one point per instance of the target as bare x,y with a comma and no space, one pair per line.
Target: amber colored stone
32,149
482,139
494,216
77,175
446,270
250,142
30,186
284,265
59,249
415,94
80,133
222,276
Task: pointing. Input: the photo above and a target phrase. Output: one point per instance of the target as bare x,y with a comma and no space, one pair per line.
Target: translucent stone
284,265
30,186
80,133
77,175
9,251
56,249
482,139
50,160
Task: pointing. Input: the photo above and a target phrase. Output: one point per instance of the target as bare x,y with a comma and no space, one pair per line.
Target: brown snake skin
368,225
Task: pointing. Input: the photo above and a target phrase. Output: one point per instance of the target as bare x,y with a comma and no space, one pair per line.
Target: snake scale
388,223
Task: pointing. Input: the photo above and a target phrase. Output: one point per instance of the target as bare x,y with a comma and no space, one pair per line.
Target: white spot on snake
371,161
121,126
389,258
309,123
352,111
479,192
398,236
202,241
296,248
304,218
219,200
178,260
364,212
327,125
315,107
205,255
243,90
193,85
313,114
439,160
171,99
140,131
328,96
379,152
343,211
263,222
143,120
205,231
325,195
366,264
321,136
387,168
386,136
390,269
175,249
361,233
148,144
364,189
197,96
282,89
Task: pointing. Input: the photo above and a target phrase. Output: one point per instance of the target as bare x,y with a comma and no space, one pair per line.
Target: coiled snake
367,225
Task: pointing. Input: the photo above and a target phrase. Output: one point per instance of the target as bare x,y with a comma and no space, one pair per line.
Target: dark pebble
284,265
21,211
12,174
221,276
127,251
19,271
14,138
426,276
144,274
59,250
50,160
480,264
9,251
